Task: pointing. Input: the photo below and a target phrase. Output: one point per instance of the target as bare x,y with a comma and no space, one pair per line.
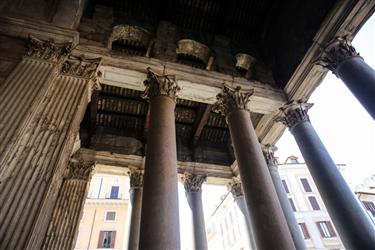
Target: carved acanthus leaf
235,187
231,99
80,170
294,113
136,179
47,49
80,66
157,85
193,182
336,51
268,152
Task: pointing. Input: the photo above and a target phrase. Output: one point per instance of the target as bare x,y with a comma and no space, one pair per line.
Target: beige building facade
104,218
227,228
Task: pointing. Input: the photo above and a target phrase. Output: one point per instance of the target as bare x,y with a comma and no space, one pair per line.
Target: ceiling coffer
129,36
193,50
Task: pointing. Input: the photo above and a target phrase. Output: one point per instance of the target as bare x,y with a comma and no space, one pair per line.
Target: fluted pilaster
32,170
25,87
64,224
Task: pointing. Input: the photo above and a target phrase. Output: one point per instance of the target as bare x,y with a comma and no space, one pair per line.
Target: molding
121,164
196,84
23,28
345,20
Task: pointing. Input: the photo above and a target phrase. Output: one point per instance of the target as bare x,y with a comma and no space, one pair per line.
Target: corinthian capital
136,179
80,170
231,99
80,66
47,50
294,112
193,182
336,51
158,85
235,187
268,152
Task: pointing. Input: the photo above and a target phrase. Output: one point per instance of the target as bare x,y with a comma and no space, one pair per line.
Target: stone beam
345,19
196,84
112,163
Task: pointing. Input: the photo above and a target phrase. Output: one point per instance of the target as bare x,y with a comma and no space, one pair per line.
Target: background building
366,194
103,223
226,227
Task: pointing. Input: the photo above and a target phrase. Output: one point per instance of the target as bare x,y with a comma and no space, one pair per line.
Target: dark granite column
193,190
268,152
236,190
353,225
136,189
270,228
340,57
160,227
63,227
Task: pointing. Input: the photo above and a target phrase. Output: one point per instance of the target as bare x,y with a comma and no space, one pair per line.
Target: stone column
31,171
235,188
136,189
160,227
63,227
340,57
193,190
270,228
268,152
351,221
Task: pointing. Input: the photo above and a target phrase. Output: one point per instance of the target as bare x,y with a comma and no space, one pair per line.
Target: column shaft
298,240
160,228
270,228
193,191
239,199
354,227
136,190
359,77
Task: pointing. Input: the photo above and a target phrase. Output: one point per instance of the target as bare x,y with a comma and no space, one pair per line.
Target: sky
343,125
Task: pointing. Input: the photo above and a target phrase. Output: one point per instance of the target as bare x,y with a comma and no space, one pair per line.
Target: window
306,185
314,203
114,192
295,161
326,229
107,239
292,204
369,206
110,216
304,231
285,186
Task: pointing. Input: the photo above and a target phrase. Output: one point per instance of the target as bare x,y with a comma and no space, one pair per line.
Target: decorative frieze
268,152
192,49
136,179
244,62
193,182
47,50
158,85
336,51
294,113
80,66
130,35
80,170
235,187
231,99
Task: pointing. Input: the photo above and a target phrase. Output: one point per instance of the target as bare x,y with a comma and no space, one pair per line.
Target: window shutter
113,239
101,237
